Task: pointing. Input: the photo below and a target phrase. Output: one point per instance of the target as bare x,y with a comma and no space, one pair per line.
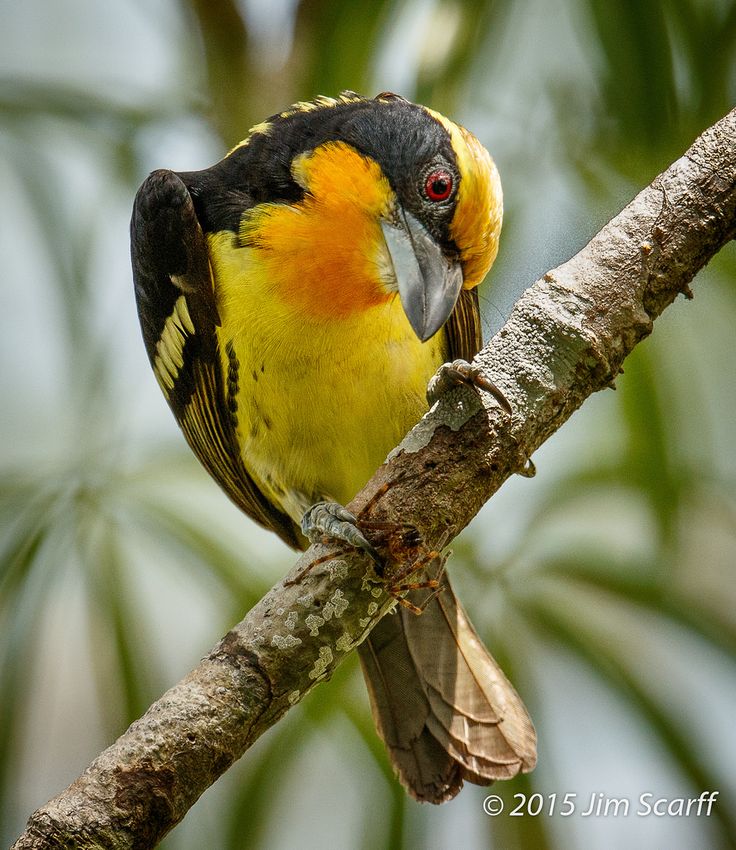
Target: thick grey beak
429,283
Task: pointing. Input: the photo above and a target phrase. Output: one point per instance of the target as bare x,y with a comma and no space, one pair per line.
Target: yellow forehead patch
476,225
335,174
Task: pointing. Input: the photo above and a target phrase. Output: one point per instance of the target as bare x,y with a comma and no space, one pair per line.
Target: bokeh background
606,585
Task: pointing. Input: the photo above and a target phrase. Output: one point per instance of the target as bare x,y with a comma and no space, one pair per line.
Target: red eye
438,185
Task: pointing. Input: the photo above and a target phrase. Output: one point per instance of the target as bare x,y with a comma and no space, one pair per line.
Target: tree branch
566,337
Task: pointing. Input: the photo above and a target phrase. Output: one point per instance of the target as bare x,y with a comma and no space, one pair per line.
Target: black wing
178,314
463,328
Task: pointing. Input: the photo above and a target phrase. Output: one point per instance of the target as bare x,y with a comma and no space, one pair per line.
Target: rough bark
566,337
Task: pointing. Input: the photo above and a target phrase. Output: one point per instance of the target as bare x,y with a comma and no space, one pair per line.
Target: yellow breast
323,395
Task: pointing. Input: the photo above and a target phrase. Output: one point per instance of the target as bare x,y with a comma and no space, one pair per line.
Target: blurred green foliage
605,586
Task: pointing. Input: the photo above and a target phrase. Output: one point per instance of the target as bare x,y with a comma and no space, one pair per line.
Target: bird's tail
442,705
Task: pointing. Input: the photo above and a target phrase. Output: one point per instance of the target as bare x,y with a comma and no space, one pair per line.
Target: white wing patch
170,347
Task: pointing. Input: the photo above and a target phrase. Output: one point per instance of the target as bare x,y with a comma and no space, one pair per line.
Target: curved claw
529,470
450,375
329,519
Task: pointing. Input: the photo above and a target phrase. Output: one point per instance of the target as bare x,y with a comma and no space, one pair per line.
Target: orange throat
326,254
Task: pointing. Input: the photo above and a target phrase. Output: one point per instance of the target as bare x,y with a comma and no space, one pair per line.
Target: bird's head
362,199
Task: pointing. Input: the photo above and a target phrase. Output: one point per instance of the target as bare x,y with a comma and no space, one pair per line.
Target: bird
296,301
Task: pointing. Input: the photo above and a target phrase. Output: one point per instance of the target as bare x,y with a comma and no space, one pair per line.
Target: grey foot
451,375
328,519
